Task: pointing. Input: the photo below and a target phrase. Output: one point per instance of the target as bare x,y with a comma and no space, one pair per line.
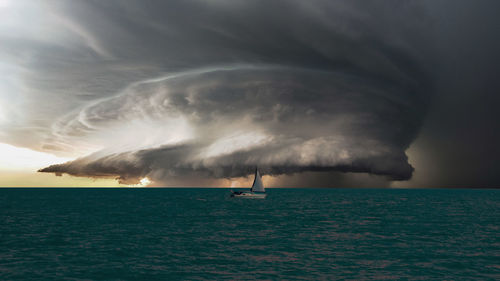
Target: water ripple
202,234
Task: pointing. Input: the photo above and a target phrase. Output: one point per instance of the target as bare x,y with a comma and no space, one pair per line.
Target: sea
294,234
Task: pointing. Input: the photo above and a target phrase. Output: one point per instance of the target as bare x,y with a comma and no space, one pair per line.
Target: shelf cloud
197,89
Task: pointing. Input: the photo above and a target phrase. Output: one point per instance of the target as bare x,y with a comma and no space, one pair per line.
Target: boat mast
257,185
254,179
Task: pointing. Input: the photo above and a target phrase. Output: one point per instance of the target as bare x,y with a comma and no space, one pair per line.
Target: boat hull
251,195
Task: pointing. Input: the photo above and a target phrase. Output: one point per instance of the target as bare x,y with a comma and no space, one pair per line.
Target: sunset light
23,159
249,140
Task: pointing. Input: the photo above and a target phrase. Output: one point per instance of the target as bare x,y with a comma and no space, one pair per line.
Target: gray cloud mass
172,89
282,120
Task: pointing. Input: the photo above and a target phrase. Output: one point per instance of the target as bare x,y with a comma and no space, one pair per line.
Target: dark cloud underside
211,89
224,86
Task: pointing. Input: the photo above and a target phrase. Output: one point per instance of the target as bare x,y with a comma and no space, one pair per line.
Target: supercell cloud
212,89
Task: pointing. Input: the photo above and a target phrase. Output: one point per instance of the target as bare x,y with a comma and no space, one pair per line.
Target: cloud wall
196,89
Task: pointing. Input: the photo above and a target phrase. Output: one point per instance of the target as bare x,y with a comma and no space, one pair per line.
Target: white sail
257,185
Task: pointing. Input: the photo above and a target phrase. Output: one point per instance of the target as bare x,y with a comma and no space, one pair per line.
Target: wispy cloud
213,89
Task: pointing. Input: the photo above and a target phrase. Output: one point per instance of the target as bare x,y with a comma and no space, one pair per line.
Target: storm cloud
213,89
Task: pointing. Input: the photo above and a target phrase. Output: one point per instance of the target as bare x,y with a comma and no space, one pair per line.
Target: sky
200,93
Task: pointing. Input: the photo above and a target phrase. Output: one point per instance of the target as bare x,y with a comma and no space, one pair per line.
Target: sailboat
257,190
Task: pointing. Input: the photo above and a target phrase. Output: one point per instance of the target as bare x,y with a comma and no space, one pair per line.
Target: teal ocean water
203,234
